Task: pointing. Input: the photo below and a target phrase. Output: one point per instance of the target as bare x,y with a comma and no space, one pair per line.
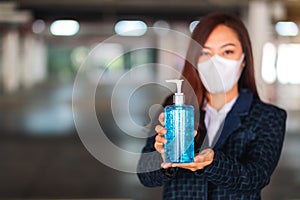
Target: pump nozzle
178,84
178,97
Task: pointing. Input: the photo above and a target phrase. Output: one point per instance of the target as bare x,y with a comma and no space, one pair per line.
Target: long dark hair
198,39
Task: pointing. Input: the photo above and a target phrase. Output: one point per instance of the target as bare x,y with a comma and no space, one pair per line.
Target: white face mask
219,74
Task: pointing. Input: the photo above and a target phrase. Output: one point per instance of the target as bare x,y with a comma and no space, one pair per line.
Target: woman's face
223,41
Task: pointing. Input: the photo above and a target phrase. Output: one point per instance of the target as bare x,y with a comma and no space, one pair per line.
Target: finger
184,165
161,118
195,133
160,140
202,160
159,148
198,159
205,152
203,164
159,144
206,155
160,130
191,166
166,165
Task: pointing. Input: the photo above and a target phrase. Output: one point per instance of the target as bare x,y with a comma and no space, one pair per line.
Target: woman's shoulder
263,108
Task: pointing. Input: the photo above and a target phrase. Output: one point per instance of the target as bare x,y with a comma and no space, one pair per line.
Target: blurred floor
41,155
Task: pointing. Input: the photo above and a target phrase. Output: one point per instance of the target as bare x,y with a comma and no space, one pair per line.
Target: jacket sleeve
149,168
253,172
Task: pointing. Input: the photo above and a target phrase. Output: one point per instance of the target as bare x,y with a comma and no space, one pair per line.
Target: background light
286,28
288,63
268,69
64,27
193,25
162,27
38,26
131,28
161,24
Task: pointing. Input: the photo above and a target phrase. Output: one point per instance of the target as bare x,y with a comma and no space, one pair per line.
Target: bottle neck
178,99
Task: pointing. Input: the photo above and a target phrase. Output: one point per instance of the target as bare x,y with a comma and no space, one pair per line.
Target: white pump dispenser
179,123
179,96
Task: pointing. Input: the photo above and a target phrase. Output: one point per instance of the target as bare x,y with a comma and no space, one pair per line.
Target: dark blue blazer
246,155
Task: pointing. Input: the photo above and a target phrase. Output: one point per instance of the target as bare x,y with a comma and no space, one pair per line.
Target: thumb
195,133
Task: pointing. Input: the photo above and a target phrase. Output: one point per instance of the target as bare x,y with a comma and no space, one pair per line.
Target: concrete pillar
10,61
34,65
27,62
40,60
260,30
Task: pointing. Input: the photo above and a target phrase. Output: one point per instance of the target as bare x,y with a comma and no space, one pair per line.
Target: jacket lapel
232,120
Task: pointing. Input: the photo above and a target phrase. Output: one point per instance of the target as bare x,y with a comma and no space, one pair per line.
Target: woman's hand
160,139
203,159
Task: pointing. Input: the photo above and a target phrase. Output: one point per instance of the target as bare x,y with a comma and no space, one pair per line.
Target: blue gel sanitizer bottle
179,122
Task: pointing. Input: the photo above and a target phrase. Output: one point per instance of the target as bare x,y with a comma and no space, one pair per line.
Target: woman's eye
205,53
228,52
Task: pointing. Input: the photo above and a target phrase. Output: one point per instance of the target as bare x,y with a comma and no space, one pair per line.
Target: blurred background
42,46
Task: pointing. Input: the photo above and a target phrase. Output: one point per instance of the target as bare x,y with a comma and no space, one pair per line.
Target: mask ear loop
244,64
244,61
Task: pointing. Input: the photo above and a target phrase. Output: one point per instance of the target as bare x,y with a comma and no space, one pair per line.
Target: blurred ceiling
134,8
174,9
163,9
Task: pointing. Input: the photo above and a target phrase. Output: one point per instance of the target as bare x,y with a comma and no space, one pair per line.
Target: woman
239,138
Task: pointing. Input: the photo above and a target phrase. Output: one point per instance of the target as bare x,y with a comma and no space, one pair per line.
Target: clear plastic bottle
179,122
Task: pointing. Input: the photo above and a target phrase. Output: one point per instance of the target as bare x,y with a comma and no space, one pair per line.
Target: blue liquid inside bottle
179,122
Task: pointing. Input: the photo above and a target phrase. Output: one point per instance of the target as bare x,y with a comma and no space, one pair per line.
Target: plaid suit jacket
246,155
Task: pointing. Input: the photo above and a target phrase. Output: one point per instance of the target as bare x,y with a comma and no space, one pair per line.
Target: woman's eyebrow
228,44
224,45
206,47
